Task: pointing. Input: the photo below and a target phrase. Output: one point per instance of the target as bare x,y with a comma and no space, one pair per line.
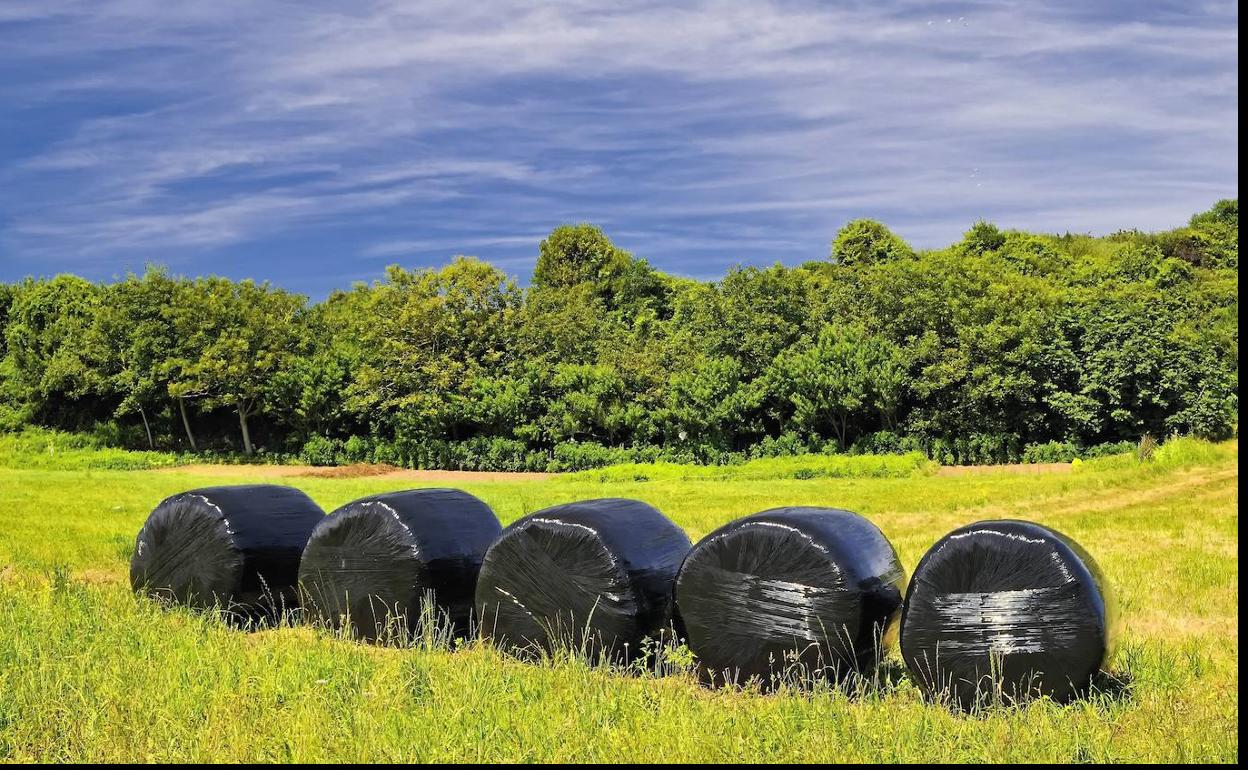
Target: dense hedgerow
1006,346
1066,451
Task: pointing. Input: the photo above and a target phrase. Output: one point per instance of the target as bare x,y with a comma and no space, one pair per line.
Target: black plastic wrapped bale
595,577
236,548
788,595
1005,610
378,563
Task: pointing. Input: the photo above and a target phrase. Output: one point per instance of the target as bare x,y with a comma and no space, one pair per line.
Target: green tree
12,414
562,326
832,381
751,316
1218,231
49,371
976,331
8,293
709,403
133,339
427,337
982,238
865,241
243,333
975,350
585,402
577,254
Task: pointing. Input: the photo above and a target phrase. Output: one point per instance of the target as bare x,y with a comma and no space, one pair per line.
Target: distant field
90,674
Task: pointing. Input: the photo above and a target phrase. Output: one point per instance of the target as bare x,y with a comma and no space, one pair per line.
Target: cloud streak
216,135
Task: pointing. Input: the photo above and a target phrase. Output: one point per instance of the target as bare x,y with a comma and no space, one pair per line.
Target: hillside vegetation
1003,346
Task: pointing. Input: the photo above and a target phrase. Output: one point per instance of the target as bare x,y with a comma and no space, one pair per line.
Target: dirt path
364,470
347,472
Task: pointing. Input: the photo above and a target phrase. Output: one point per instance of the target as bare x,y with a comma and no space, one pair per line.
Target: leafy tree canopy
865,241
970,353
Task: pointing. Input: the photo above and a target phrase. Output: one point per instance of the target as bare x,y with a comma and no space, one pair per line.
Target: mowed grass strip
90,673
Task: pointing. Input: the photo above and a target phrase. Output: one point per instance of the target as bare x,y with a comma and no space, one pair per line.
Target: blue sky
313,143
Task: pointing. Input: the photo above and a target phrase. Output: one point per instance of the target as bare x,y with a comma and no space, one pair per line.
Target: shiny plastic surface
789,594
1005,610
234,547
594,576
375,560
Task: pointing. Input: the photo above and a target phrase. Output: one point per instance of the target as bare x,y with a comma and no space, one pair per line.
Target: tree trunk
242,422
151,444
186,423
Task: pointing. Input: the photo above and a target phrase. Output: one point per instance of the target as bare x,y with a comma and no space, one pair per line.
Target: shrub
501,454
1066,451
1051,452
320,450
583,455
356,450
112,433
384,452
886,442
1108,449
976,449
785,445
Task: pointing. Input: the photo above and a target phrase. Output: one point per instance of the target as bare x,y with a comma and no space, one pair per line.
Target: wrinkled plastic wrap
236,548
1005,610
383,564
594,576
789,594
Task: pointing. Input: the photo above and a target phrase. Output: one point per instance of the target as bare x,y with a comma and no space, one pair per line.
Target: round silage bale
1005,610
594,577
234,547
789,594
382,564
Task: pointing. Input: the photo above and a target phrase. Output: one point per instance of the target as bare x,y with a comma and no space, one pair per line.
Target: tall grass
90,673
1175,453
50,449
1183,452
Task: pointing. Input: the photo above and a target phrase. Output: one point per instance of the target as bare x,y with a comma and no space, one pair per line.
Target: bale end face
388,566
789,595
185,554
1005,611
592,578
236,548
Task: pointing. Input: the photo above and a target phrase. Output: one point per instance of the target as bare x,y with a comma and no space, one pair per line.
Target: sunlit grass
802,467
90,673
55,450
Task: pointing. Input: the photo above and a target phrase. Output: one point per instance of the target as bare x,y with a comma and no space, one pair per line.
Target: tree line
972,353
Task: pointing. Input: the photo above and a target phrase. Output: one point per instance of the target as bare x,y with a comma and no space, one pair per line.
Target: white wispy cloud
700,134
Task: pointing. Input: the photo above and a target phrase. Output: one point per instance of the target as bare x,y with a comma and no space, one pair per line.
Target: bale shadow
854,682
1105,690
1113,686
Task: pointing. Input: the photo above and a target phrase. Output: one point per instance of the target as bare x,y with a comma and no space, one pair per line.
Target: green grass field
89,673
